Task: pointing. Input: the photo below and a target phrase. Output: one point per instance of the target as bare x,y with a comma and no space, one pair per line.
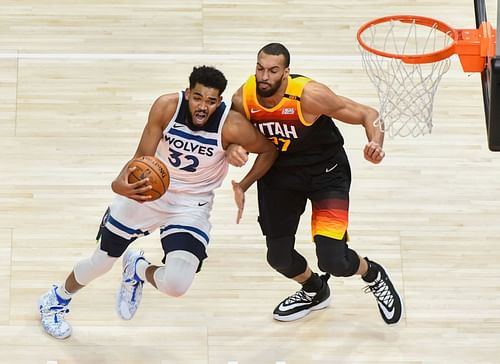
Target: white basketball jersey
194,156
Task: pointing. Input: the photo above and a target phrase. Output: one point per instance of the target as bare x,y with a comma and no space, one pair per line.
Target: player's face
203,101
270,73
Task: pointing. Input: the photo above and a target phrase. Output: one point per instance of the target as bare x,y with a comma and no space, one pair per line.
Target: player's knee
91,268
176,276
335,257
336,266
284,258
171,285
279,252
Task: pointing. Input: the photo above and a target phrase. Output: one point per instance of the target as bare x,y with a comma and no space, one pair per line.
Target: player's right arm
161,112
318,99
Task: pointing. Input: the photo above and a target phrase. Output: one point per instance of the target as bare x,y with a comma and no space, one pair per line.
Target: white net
406,91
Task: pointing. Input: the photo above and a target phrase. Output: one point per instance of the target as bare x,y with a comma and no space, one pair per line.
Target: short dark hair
209,77
277,49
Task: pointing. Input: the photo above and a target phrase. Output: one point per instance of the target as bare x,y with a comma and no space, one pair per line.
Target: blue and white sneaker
52,310
130,291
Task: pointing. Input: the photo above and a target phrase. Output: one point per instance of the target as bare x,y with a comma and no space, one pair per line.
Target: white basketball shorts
172,213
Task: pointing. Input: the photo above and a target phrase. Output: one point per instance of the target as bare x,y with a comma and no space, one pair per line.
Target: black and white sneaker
388,299
302,302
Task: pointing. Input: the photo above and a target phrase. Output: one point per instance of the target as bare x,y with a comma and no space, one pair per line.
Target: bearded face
270,74
267,88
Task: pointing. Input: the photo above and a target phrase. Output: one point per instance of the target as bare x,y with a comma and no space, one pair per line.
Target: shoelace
60,311
132,285
299,296
381,291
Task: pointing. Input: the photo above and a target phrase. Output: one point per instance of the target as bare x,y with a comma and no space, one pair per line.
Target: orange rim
413,58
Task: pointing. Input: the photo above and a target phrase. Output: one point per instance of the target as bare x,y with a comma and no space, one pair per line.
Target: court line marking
167,56
235,362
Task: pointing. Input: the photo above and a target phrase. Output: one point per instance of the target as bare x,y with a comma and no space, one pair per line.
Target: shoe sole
119,311
300,314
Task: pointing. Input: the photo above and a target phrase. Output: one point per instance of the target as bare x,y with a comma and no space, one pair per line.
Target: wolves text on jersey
189,146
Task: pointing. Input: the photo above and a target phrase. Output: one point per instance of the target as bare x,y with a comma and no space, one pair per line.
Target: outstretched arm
317,99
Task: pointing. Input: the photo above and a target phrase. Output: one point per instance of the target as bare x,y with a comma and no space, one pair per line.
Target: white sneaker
130,291
52,310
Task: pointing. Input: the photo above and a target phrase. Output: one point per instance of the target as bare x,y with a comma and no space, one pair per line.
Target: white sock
63,293
140,268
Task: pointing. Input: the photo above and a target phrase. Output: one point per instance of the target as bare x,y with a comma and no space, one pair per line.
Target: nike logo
253,111
179,125
283,308
389,314
202,203
332,168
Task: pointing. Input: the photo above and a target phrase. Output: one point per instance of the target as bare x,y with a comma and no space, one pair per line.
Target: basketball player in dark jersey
296,113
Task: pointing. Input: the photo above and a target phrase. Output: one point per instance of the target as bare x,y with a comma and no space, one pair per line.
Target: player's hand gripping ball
154,169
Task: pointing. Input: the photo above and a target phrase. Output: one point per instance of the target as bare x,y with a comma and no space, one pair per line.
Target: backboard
490,79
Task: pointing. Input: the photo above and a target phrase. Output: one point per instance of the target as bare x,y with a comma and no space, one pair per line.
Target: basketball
154,169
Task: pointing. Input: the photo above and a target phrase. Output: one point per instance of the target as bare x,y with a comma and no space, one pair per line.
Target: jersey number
190,162
281,143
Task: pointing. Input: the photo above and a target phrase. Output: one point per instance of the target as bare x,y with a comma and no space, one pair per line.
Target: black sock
313,283
372,272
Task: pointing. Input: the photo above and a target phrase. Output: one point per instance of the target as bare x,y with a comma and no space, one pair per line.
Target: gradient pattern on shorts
330,218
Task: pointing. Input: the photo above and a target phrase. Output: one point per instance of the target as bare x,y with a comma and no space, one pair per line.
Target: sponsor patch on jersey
288,111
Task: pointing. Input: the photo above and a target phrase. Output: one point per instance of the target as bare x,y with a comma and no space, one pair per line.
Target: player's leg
330,209
329,222
279,215
122,223
336,258
182,260
54,304
184,255
184,235
127,221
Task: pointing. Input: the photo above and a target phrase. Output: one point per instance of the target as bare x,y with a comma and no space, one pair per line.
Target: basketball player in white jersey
189,131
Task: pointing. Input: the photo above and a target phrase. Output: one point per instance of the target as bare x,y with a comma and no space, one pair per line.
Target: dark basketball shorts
283,193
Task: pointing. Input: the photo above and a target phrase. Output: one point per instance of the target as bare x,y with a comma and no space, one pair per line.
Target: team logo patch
288,111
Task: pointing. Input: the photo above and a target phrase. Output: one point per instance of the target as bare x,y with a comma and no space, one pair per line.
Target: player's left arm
238,130
318,99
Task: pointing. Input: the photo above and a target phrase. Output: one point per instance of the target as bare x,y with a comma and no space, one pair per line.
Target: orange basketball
154,169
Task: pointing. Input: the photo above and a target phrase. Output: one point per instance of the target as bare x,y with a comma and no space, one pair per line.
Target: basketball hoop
405,57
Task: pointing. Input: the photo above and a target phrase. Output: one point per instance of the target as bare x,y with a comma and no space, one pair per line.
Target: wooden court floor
76,83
